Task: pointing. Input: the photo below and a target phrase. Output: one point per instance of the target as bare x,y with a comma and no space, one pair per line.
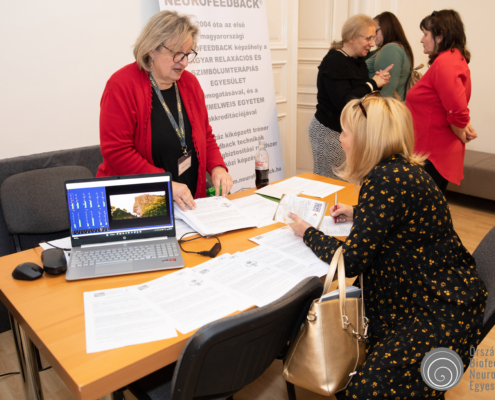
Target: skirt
327,150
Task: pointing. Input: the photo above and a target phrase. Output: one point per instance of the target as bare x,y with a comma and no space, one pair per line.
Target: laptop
121,225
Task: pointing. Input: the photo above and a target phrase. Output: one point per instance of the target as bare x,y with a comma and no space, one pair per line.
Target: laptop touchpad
113,269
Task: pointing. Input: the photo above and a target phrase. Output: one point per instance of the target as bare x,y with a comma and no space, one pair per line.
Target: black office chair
34,204
35,210
226,355
485,262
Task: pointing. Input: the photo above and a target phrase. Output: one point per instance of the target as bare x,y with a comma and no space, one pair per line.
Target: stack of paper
331,228
259,208
215,215
309,187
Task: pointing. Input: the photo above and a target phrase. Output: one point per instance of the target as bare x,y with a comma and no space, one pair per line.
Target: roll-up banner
234,69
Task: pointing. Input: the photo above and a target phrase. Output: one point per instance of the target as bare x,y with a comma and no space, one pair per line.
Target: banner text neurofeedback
215,3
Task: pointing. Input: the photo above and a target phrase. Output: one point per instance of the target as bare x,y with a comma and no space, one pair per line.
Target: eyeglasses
369,39
434,14
178,57
374,93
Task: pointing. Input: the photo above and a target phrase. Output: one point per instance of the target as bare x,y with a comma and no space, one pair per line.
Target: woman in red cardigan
153,114
439,101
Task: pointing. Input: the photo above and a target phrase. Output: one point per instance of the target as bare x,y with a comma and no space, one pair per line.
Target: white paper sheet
255,281
330,228
181,227
204,269
259,208
277,191
309,187
285,262
117,318
311,211
215,215
187,300
287,242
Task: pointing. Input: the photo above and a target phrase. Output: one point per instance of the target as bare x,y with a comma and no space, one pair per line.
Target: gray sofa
479,175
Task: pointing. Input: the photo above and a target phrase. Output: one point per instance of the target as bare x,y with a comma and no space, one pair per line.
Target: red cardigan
439,99
125,126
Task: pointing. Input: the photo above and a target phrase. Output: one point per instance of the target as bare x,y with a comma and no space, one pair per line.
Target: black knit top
340,79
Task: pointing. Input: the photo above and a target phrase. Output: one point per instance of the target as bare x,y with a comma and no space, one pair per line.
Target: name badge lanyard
179,130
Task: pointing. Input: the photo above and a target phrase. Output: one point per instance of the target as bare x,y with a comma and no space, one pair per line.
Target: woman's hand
220,176
299,226
465,134
470,132
382,77
343,212
183,196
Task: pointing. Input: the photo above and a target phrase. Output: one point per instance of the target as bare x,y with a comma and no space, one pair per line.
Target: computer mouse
54,261
27,271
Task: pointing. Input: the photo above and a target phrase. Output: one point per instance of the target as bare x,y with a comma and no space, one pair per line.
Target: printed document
117,318
330,228
186,299
311,211
259,208
181,228
286,241
309,187
215,215
255,281
277,191
283,262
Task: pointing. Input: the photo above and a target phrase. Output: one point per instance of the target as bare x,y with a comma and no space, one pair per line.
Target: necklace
342,50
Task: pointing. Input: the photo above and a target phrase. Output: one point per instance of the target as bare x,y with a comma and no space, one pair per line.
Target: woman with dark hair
393,48
439,101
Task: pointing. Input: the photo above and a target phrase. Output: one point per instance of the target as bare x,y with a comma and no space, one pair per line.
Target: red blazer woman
125,127
439,99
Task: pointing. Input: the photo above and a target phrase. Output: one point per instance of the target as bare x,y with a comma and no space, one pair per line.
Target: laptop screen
120,208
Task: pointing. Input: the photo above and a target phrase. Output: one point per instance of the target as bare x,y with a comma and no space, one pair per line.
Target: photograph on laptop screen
138,205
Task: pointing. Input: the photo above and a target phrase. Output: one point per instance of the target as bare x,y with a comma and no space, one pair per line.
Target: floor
473,218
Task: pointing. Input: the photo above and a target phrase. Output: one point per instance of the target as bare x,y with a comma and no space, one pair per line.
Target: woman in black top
342,76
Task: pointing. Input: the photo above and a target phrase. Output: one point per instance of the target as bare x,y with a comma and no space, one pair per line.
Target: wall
320,22
56,58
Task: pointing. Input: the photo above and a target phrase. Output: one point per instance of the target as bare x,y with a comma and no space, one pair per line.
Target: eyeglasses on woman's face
374,93
179,56
369,39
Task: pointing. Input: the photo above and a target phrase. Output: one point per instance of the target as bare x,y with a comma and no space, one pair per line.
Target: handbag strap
331,270
338,264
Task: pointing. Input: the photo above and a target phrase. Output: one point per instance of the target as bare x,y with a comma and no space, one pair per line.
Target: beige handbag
330,345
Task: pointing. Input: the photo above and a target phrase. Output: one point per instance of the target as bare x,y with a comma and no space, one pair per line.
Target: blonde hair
164,27
387,130
352,28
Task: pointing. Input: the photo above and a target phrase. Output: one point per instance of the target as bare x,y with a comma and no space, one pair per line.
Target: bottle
261,166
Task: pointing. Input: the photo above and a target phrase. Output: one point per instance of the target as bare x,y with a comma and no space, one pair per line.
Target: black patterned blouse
421,286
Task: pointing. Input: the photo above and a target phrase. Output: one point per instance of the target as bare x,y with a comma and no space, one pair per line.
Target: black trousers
439,179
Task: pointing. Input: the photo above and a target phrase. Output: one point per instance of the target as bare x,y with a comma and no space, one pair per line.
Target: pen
335,208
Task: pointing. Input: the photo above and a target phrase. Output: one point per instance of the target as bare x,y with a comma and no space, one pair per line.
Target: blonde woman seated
421,287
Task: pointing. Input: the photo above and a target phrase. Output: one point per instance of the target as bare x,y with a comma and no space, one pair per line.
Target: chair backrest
33,202
485,263
226,355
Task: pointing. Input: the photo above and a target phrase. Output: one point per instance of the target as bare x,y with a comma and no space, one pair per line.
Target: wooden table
50,311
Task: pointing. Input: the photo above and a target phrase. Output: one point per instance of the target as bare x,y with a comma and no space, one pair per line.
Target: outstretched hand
299,226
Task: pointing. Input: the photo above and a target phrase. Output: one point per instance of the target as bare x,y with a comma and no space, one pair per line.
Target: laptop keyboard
128,253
